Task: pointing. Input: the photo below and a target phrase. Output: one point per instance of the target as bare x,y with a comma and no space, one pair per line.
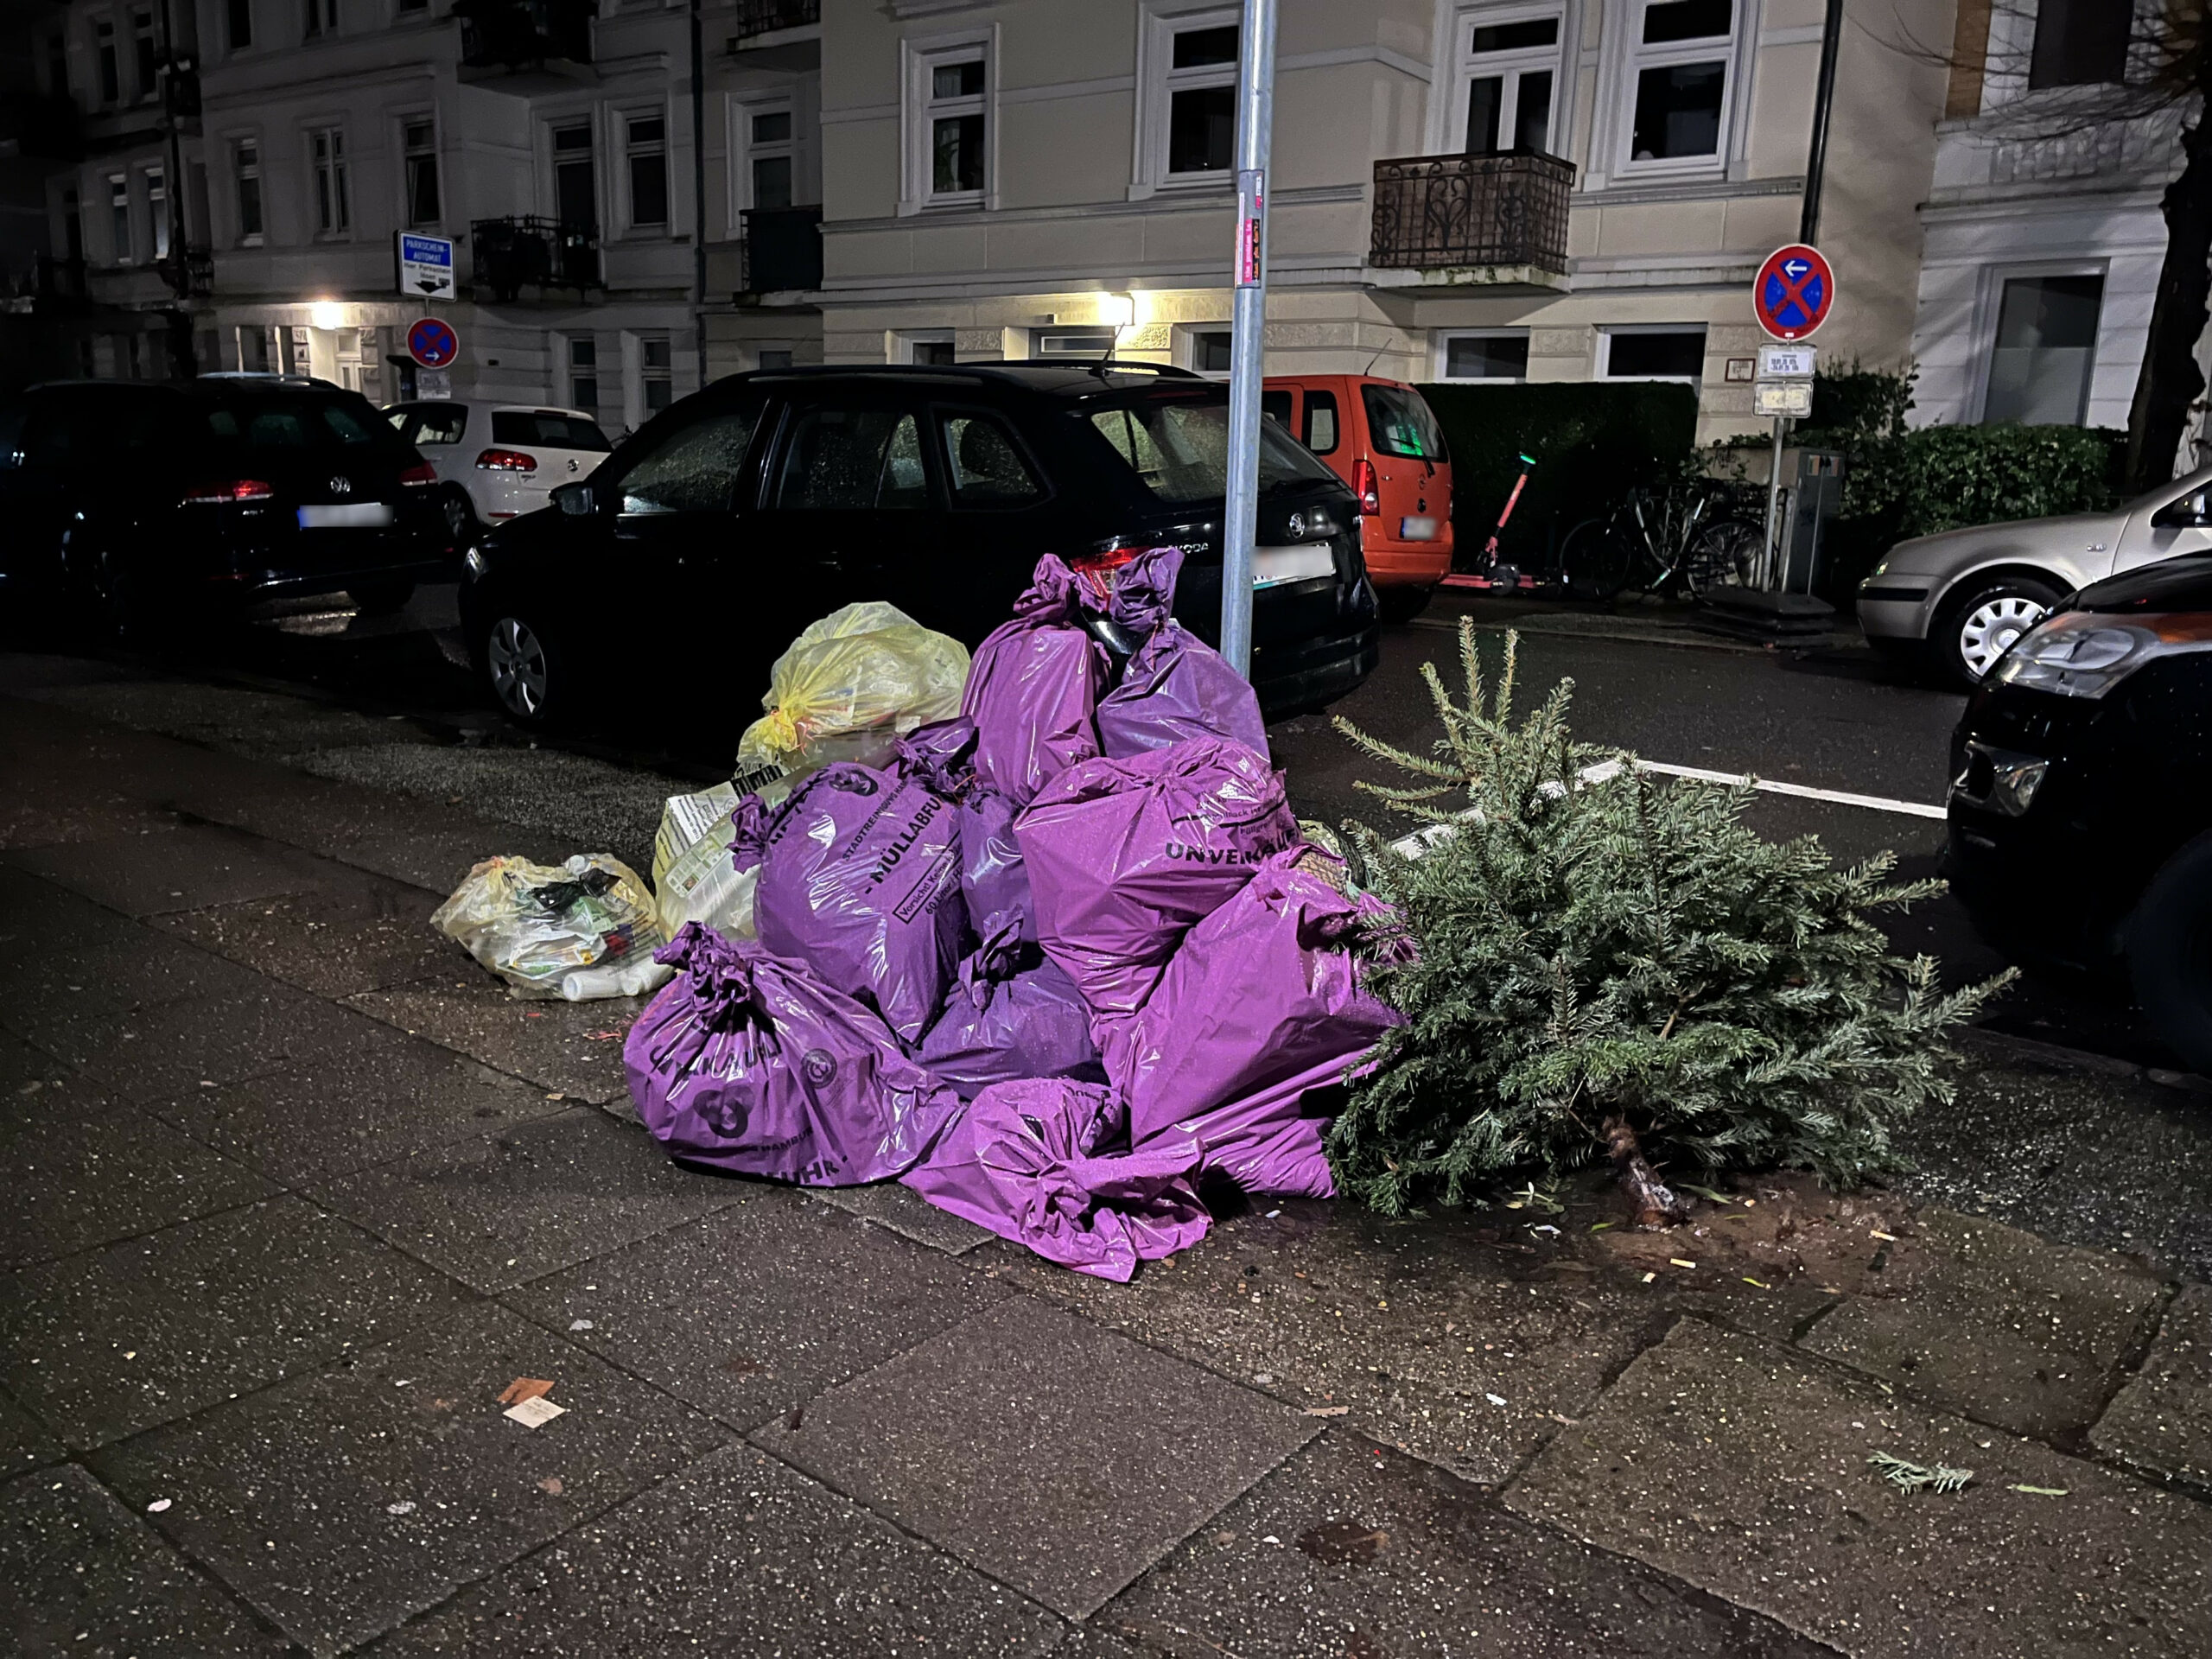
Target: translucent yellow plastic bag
584,930
848,686
693,881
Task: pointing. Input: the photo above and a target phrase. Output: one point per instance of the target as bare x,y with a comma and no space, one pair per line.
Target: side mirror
2190,511
575,499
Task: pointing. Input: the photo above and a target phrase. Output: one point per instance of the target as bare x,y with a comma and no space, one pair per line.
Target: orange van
1382,438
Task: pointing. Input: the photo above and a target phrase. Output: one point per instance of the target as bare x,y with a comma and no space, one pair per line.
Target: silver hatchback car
1957,600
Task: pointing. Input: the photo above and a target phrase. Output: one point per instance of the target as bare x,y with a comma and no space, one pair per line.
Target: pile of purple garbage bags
1061,966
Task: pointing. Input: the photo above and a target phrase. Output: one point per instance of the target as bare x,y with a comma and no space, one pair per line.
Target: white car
496,460
1957,600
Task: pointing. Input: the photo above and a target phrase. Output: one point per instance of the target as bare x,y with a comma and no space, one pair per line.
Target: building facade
1537,189
2044,234
1514,189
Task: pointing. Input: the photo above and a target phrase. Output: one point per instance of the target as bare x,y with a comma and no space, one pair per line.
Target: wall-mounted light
1118,309
326,314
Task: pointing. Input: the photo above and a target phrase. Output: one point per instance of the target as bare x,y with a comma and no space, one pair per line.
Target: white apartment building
2044,234
1499,190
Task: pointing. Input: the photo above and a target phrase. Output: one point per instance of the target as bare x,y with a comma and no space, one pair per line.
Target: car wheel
460,521
2170,954
523,667
382,598
1976,629
1402,604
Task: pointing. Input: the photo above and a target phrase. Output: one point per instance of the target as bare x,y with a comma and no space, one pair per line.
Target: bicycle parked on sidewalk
1699,535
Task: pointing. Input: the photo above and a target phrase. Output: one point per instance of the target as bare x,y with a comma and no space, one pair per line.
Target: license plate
1416,530
346,515
1274,566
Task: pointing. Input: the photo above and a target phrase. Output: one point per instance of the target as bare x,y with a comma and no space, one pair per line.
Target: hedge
1593,441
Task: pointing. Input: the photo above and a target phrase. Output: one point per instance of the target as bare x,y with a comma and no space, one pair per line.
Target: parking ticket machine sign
1793,292
425,265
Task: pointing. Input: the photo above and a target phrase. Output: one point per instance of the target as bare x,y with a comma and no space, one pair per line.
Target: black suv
143,504
765,501
2081,818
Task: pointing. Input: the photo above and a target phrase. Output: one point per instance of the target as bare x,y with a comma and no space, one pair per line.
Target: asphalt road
1828,719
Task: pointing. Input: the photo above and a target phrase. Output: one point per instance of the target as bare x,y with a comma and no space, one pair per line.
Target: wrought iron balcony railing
189,272
530,250
763,16
780,249
512,33
1436,213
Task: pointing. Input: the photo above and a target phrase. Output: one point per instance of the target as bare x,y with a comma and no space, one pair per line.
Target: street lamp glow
1119,310
326,314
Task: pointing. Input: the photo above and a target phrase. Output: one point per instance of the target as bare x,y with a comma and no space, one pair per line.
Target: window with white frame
245,178
118,211
1211,350
583,374
333,201
157,209
418,144
2046,349
1509,79
1679,68
770,140
322,17
146,54
111,67
931,347
1655,352
1199,96
656,371
1486,354
949,135
645,145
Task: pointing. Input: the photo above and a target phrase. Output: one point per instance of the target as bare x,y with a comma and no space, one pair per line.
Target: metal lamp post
1255,78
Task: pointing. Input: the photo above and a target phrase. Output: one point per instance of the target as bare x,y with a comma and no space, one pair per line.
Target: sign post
425,265
1256,79
1792,295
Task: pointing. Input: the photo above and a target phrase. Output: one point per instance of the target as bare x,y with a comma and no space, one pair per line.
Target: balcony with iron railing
189,270
770,16
510,35
780,250
1493,218
528,250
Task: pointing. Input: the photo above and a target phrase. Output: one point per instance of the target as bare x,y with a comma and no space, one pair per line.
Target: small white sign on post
433,383
1787,362
425,265
1790,398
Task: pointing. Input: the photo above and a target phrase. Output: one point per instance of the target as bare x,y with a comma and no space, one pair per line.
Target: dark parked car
767,500
134,504
2080,822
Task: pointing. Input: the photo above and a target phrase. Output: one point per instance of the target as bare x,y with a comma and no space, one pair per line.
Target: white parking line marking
1773,787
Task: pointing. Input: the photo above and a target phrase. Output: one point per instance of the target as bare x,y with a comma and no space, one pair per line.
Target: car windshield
1401,424
1178,445
548,428
300,423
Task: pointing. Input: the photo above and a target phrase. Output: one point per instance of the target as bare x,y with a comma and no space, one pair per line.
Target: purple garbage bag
1268,1143
1012,1014
1266,988
1033,688
993,885
1124,856
1175,685
1031,1162
860,879
941,756
748,1063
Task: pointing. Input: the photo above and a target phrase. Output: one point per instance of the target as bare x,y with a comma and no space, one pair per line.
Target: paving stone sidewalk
299,1196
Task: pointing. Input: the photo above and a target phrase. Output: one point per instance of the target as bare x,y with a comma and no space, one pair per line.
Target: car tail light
420,474
233,489
1096,567
506,460
1363,485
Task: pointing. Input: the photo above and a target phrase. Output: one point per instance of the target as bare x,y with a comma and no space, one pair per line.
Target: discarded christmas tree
1606,962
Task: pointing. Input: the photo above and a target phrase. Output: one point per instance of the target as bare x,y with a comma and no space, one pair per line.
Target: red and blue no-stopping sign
432,343
1792,291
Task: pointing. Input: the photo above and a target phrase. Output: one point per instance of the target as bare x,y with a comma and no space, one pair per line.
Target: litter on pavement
576,932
